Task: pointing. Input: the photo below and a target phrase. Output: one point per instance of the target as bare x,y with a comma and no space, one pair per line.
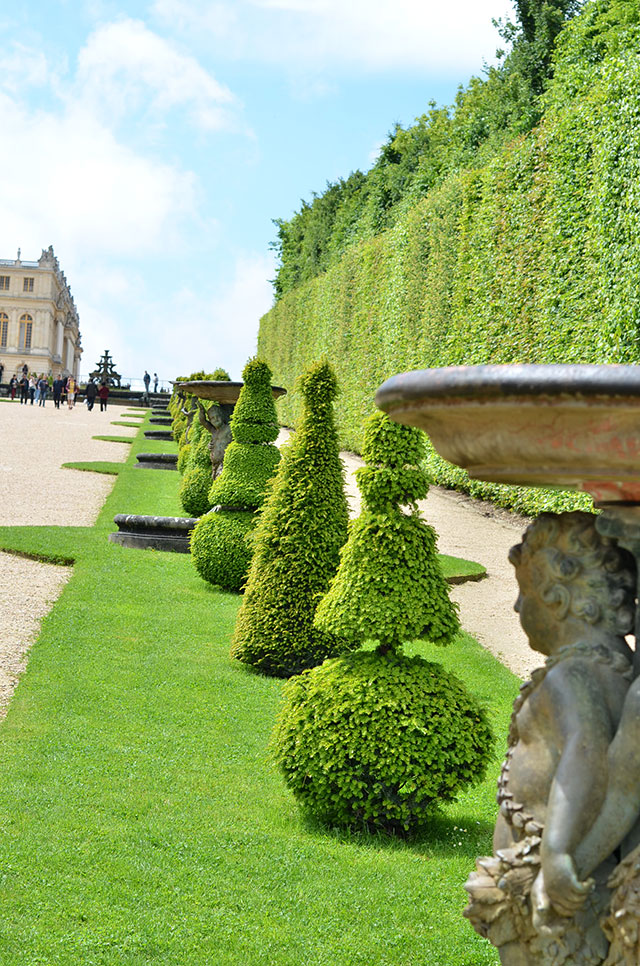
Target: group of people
35,389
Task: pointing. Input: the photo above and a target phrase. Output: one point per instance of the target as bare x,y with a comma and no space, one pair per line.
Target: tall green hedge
530,258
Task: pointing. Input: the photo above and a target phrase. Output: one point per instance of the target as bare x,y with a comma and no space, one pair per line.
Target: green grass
122,422
457,570
96,466
115,439
141,820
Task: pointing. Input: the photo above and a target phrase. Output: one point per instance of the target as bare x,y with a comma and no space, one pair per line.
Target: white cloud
23,67
416,35
124,66
68,181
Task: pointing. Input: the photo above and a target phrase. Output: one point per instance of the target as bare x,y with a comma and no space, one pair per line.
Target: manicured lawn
96,466
114,439
141,819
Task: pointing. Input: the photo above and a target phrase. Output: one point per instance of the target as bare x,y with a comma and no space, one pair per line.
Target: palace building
39,324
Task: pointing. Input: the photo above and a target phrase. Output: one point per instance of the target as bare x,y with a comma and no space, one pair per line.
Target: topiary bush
297,544
183,457
379,741
221,549
389,587
377,738
239,491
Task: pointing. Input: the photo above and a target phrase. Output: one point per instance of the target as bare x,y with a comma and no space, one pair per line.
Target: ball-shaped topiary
297,543
221,546
240,488
379,741
389,586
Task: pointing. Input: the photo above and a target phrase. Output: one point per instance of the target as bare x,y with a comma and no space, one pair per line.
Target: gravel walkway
36,491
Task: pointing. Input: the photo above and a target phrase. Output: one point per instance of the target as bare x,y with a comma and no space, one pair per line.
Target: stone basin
157,461
568,426
164,434
153,533
220,390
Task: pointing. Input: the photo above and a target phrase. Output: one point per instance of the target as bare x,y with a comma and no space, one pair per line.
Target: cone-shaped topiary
389,586
183,457
221,541
379,740
297,544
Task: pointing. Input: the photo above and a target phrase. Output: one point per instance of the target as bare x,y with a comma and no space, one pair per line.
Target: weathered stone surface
157,461
158,434
160,420
153,533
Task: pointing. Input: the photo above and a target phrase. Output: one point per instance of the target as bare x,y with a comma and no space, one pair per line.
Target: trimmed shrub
379,741
194,490
222,558
297,544
248,470
221,546
389,586
183,457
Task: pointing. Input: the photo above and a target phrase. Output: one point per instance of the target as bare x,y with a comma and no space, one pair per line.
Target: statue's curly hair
567,550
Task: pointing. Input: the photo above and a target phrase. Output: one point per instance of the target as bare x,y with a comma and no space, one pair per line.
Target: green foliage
389,586
183,457
379,741
527,257
194,490
392,444
254,417
221,547
297,542
487,114
247,469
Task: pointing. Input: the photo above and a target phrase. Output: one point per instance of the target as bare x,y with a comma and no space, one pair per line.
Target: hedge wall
531,258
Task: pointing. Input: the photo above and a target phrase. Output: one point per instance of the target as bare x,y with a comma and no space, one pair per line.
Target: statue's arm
621,807
582,722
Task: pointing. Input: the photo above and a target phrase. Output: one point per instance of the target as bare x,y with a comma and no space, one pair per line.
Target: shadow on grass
443,837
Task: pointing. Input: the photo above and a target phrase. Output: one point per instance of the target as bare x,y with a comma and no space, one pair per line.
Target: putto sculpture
542,895
562,887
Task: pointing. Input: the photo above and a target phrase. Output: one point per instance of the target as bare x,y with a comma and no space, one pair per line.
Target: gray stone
153,533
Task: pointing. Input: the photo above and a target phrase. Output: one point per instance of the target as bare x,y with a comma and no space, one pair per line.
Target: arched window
26,328
4,329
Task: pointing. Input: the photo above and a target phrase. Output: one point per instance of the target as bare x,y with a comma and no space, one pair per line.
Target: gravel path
36,491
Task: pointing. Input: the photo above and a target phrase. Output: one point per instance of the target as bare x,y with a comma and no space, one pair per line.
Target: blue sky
152,143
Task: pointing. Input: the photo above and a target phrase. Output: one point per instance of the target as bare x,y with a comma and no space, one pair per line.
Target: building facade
39,324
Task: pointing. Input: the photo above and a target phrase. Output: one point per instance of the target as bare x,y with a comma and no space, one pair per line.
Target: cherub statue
543,894
216,421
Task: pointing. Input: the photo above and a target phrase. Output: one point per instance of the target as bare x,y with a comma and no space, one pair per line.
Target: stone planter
157,461
153,533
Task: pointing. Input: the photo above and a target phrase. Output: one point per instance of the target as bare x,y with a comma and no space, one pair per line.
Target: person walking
72,388
155,382
24,389
91,393
43,388
36,397
103,392
13,387
32,389
57,391
146,380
